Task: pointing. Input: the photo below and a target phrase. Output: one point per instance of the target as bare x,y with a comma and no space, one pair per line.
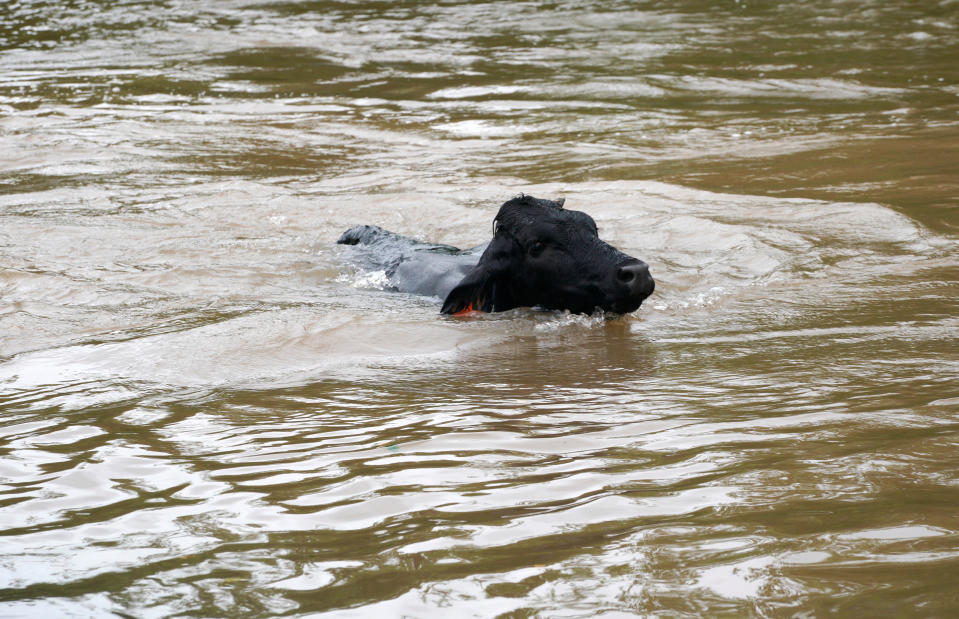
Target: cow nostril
635,279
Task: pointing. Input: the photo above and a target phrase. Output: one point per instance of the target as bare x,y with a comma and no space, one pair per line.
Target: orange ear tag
466,310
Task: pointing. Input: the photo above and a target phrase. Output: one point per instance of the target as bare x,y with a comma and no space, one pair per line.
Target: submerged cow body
541,255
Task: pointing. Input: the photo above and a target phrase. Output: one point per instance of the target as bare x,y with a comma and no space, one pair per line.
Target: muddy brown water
206,411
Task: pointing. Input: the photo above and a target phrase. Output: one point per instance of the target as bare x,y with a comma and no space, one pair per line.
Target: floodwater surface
207,410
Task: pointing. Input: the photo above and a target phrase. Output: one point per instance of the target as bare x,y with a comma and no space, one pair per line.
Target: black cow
541,255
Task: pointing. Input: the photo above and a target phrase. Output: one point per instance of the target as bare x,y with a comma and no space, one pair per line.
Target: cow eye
536,248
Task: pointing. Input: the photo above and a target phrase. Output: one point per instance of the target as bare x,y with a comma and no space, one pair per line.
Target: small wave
482,129
372,280
470,92
560,321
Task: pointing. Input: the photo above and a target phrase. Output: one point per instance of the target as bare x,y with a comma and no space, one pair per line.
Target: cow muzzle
633,284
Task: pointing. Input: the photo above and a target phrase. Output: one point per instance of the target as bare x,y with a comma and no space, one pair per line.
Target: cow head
543,255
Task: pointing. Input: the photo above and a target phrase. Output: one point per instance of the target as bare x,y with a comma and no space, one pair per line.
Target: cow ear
475,292
485,289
